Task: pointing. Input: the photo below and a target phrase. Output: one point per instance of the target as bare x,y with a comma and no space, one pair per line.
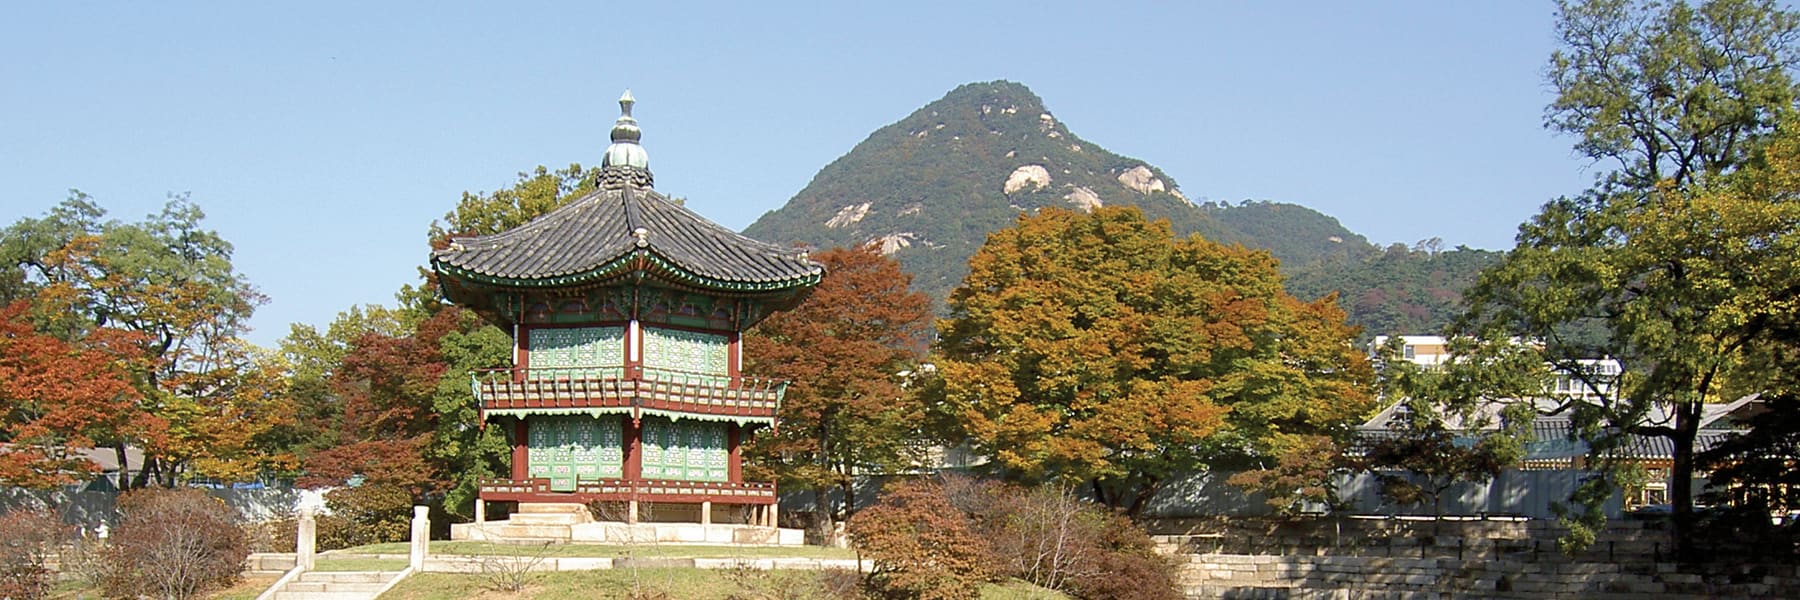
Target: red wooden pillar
521,455
735,465
734,360
634,458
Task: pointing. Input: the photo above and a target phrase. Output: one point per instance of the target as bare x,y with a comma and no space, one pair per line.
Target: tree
843,350
57,397
1671,92
1099,350
921,547
1462,420
1437,458
1305,473
1755,469
387,391
170,283
1672,264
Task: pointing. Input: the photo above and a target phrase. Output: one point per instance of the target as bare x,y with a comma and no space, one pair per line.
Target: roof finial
625,151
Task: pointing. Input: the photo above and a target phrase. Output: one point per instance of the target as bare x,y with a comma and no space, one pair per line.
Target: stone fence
1245,577
1402,558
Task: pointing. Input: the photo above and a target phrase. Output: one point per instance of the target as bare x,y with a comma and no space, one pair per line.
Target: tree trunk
822,525
144,473
849,487
124,477
1141,497
1681,478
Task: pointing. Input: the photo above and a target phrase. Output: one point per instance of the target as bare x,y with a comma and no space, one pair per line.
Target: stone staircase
342,585
541,522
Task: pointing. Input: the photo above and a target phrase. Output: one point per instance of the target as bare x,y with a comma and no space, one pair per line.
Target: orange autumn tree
214,405
1099,349
57,397
844,349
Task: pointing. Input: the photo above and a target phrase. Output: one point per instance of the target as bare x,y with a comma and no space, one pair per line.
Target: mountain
929,188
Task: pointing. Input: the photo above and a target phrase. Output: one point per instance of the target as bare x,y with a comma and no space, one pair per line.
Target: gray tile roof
617,229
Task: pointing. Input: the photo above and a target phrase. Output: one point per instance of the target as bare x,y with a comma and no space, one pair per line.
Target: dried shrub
1054,539
277,535
174,544
514,572
1121,563
85,560
27,539
367,514
922,547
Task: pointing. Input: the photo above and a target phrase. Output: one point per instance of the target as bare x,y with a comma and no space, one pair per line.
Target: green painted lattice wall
567,448
687,351
564,352
685,450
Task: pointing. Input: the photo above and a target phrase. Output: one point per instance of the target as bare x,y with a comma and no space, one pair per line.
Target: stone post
306,534
774,512
421,537
480,511
705,512
631,509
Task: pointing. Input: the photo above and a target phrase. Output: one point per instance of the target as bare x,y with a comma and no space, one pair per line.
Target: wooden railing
748,492
658,389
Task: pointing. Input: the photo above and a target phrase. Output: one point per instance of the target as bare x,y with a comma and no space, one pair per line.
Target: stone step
530,532
534,508
548,519
285,595
332,586
336,585
347,576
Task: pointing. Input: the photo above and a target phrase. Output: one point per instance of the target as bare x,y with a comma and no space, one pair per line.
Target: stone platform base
608,532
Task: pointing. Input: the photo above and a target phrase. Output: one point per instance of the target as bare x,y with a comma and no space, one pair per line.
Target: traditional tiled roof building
627,311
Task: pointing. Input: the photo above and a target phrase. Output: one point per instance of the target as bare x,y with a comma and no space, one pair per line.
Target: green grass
610,550
684,584
247,588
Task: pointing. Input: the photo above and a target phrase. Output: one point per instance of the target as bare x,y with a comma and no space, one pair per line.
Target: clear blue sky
322,138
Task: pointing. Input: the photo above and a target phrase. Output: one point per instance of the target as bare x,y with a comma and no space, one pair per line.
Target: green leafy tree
170,282
844,350
1463,420
1679,265
1303,472
1098,349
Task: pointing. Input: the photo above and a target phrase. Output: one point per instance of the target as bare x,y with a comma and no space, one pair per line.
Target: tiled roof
1553,437
621,227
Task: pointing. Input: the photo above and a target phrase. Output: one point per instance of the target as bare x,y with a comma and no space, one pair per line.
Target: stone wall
1357,559
1236,576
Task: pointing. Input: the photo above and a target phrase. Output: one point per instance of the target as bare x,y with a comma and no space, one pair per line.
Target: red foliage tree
58,397
843,350
385,386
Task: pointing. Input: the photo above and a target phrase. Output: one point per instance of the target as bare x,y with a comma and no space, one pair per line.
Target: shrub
27,538
1121,563
922,547
174,544
367,514
1052,538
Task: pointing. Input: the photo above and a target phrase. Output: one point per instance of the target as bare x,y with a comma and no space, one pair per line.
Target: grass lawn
685,584
610,550
246,589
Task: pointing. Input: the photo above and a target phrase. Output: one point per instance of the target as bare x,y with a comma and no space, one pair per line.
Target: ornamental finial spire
625,151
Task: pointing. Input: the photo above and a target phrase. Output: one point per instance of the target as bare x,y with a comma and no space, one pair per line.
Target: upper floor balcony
628,387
